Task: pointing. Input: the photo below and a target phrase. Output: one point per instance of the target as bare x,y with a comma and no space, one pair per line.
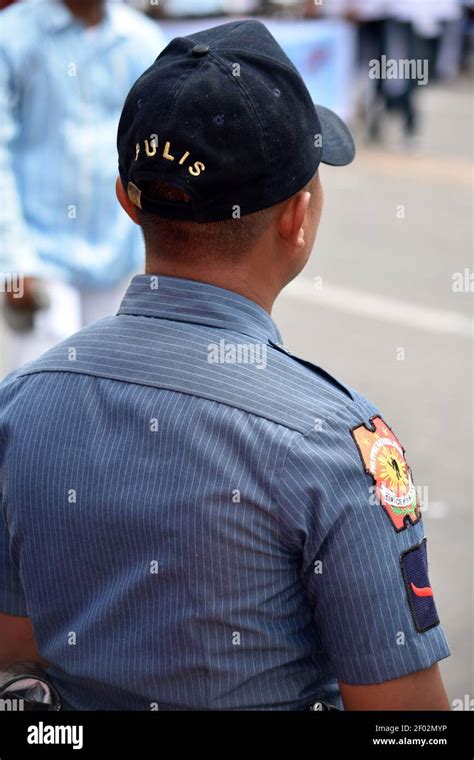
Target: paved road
386,286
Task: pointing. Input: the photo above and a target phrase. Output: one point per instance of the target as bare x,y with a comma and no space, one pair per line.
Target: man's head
219,148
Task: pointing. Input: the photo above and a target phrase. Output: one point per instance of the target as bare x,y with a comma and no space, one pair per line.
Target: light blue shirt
62,87
186,519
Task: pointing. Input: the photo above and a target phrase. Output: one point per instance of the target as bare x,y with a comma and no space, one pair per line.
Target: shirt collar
199,303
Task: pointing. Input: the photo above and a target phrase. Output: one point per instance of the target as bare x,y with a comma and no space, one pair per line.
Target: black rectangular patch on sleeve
414,566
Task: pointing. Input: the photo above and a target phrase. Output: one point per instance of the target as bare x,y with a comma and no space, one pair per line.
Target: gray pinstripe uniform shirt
187,519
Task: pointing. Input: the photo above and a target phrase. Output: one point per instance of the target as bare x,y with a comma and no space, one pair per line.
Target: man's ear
125,201
290,224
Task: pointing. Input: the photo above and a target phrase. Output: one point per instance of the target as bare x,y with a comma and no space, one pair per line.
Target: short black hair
229,239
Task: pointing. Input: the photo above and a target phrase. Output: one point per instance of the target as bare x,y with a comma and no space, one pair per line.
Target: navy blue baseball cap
225,116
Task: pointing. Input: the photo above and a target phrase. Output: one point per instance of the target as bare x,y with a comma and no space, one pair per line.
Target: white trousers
70,309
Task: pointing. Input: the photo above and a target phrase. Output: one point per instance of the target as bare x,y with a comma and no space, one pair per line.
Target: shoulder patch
383,457
414,565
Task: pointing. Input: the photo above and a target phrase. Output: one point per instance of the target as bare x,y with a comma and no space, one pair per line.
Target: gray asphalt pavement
385,319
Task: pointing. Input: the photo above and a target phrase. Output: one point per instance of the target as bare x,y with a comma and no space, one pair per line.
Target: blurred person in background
437,25
372,20
380,33
467,35
400,43
65,68
428,30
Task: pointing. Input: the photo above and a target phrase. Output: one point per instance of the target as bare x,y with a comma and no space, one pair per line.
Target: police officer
193,518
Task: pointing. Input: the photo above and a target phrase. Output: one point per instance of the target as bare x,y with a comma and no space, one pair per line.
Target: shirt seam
174,319
144,384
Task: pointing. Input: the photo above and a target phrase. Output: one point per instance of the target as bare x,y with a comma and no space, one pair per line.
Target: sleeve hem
390,664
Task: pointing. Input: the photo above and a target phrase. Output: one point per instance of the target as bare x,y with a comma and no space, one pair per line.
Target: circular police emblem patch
383,458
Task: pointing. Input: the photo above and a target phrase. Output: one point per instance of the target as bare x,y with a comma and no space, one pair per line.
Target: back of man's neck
234,281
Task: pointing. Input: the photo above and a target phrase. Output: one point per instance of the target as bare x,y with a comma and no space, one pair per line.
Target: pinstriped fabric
164,512
359,593
131,349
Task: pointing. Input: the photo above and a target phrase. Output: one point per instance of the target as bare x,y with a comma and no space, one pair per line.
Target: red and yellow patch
383,458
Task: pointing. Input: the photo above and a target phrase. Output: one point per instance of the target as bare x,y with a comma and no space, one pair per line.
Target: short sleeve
12,597
348,503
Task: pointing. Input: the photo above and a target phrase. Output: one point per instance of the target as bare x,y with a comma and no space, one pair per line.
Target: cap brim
338,148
